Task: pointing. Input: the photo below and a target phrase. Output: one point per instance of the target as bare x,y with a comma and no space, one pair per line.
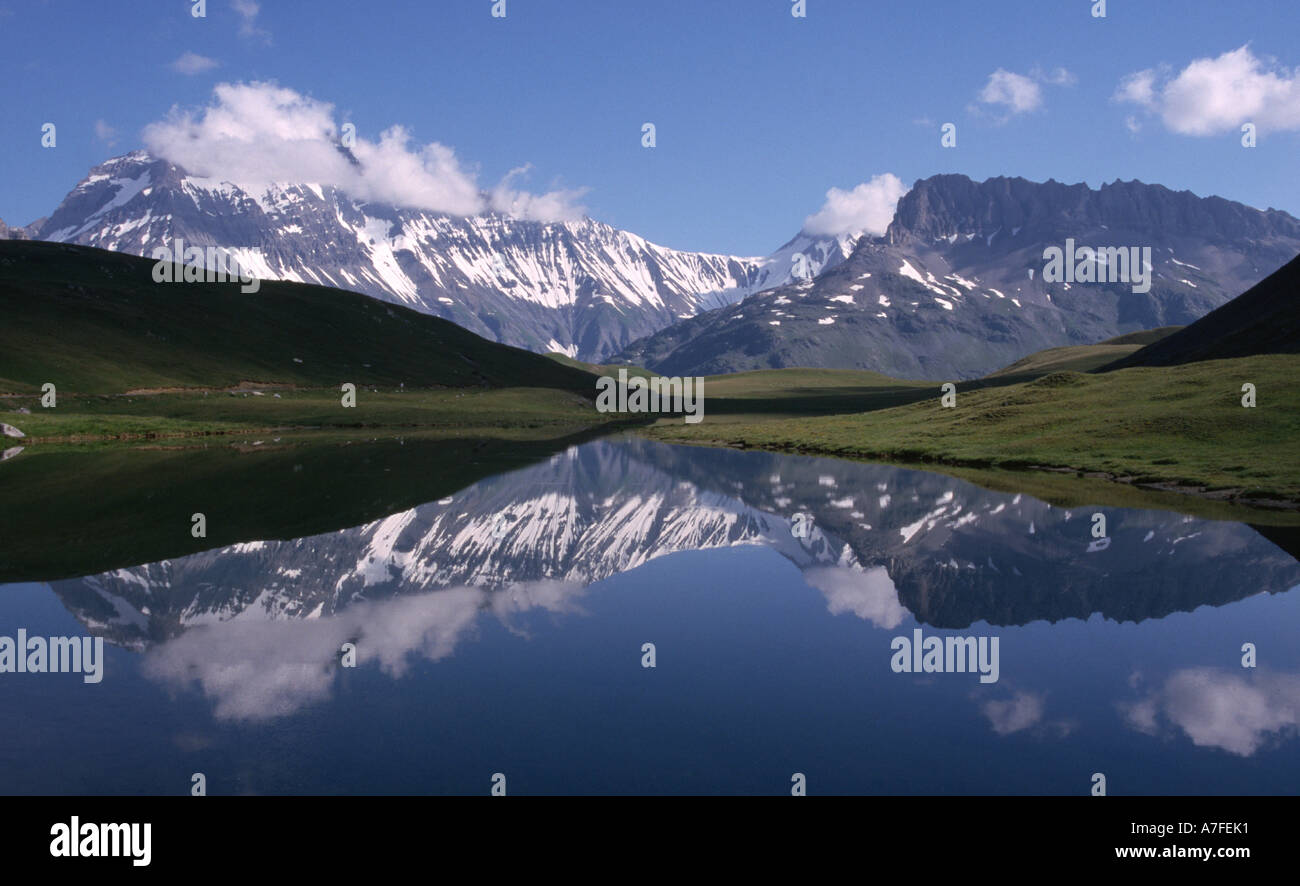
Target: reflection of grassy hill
92,321
70,512
1182,426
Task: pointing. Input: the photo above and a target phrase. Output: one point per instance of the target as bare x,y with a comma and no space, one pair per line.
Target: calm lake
504,627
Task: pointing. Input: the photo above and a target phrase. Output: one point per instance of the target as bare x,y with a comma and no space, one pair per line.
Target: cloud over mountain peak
259,132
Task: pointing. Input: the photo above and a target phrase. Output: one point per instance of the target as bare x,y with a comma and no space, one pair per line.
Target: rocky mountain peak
947,205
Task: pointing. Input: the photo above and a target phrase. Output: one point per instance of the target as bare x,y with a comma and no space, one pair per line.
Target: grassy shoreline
1179,429
264,410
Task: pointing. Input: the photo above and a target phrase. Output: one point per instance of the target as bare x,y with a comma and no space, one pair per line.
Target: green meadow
1181,427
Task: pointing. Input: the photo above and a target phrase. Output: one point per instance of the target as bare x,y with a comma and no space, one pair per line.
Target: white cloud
1056,77
193,63
1217,95
256,133
552,206
1018,93
1021,711
867,208
257,670
1010,93
105,133
1138,88
1222,709
868,594
247,11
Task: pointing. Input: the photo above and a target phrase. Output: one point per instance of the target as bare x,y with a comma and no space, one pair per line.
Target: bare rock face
942,205
10,431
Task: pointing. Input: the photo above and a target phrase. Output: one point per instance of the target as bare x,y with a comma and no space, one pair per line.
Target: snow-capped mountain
955,288
581,287
803,258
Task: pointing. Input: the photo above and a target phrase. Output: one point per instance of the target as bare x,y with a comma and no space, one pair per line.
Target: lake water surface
502,628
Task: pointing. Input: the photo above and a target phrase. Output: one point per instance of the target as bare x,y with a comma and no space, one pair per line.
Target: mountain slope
94,321
580,287
1263,320
955,289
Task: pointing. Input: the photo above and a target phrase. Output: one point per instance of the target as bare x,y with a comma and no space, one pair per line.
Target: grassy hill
765,394
775,393
1081,358
93,321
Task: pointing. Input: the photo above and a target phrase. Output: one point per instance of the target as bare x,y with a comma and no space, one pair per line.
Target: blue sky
757,113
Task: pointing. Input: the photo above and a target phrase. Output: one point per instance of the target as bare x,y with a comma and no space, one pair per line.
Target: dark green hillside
93,321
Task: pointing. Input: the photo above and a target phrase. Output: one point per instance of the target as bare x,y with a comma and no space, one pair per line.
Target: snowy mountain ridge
581,287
